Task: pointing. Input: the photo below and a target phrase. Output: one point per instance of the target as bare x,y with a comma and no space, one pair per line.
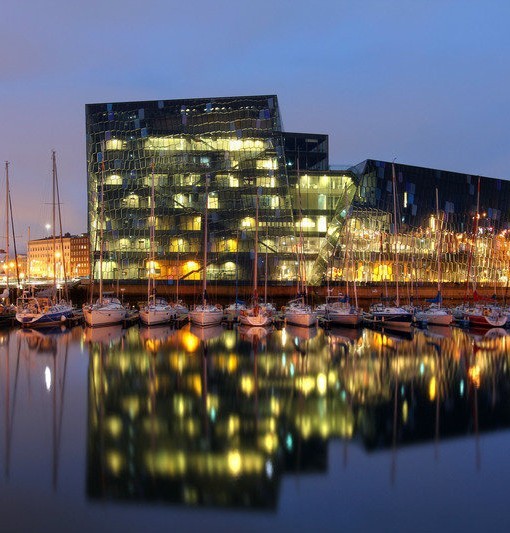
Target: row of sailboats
157,310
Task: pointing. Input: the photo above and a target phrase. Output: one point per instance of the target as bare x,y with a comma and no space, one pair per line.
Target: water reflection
43,352
208,416
219,417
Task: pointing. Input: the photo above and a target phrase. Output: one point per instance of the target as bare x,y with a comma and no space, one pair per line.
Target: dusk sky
425,82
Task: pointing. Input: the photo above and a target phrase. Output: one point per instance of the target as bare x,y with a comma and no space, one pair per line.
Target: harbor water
249,429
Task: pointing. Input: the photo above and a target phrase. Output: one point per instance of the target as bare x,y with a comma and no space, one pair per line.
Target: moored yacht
486,317
299,313
41,312
434,316
339,311
156,311
105,312
389,316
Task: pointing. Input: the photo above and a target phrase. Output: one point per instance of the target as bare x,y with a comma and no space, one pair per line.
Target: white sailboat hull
434,318
103,316
306,320
212,316
151,317
259,320
344,319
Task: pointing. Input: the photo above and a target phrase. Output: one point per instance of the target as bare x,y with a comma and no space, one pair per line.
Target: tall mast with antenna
395,232
53,224
7,229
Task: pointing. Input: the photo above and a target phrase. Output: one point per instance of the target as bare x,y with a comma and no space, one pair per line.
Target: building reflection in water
216,417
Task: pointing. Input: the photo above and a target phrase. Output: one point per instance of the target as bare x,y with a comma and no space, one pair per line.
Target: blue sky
425,82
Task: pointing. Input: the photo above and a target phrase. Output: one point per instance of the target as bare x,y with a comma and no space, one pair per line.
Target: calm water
237,430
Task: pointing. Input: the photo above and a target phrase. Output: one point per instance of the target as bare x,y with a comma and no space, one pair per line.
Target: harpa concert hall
157,163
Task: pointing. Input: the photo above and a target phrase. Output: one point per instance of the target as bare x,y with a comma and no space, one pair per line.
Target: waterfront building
309,213
72,257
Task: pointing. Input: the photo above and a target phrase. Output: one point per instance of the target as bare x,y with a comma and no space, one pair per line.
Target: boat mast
54,227
473,247
256,256
300,248
150,281
28,257
440,246
395,233
265,264
6,263
66,294
204,268
101,219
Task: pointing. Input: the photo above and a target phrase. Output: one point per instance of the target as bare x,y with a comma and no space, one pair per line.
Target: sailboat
255,314
297,311
34,311
436,315
206,314
339,310
482,316
107,310
382,314
157,310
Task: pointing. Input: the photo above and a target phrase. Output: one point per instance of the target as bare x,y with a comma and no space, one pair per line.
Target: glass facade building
309,214
238,146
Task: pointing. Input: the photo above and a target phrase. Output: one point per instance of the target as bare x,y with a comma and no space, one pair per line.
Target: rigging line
66,292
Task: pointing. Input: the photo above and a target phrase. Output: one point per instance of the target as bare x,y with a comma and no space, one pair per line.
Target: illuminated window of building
322,202
247,222
306,223
267,164
180,201
212,201
322,224
115,144
131,201
113,179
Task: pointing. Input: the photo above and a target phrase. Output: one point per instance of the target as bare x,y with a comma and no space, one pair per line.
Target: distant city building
309,214
69,256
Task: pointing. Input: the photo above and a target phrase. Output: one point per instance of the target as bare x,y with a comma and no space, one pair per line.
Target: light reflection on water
218,419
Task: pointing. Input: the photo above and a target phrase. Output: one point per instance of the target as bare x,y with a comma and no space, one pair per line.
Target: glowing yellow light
189,342
432,388
233,425
270,442
322,384
306,384
234,462
115,462
474,375
247,385
131,404
405,411
114,425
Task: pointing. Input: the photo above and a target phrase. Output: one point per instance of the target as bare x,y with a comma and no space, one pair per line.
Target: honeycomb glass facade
471,211
237,144
309,214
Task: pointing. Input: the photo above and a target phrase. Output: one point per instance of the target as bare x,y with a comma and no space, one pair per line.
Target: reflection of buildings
72,256
218,422
238,145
